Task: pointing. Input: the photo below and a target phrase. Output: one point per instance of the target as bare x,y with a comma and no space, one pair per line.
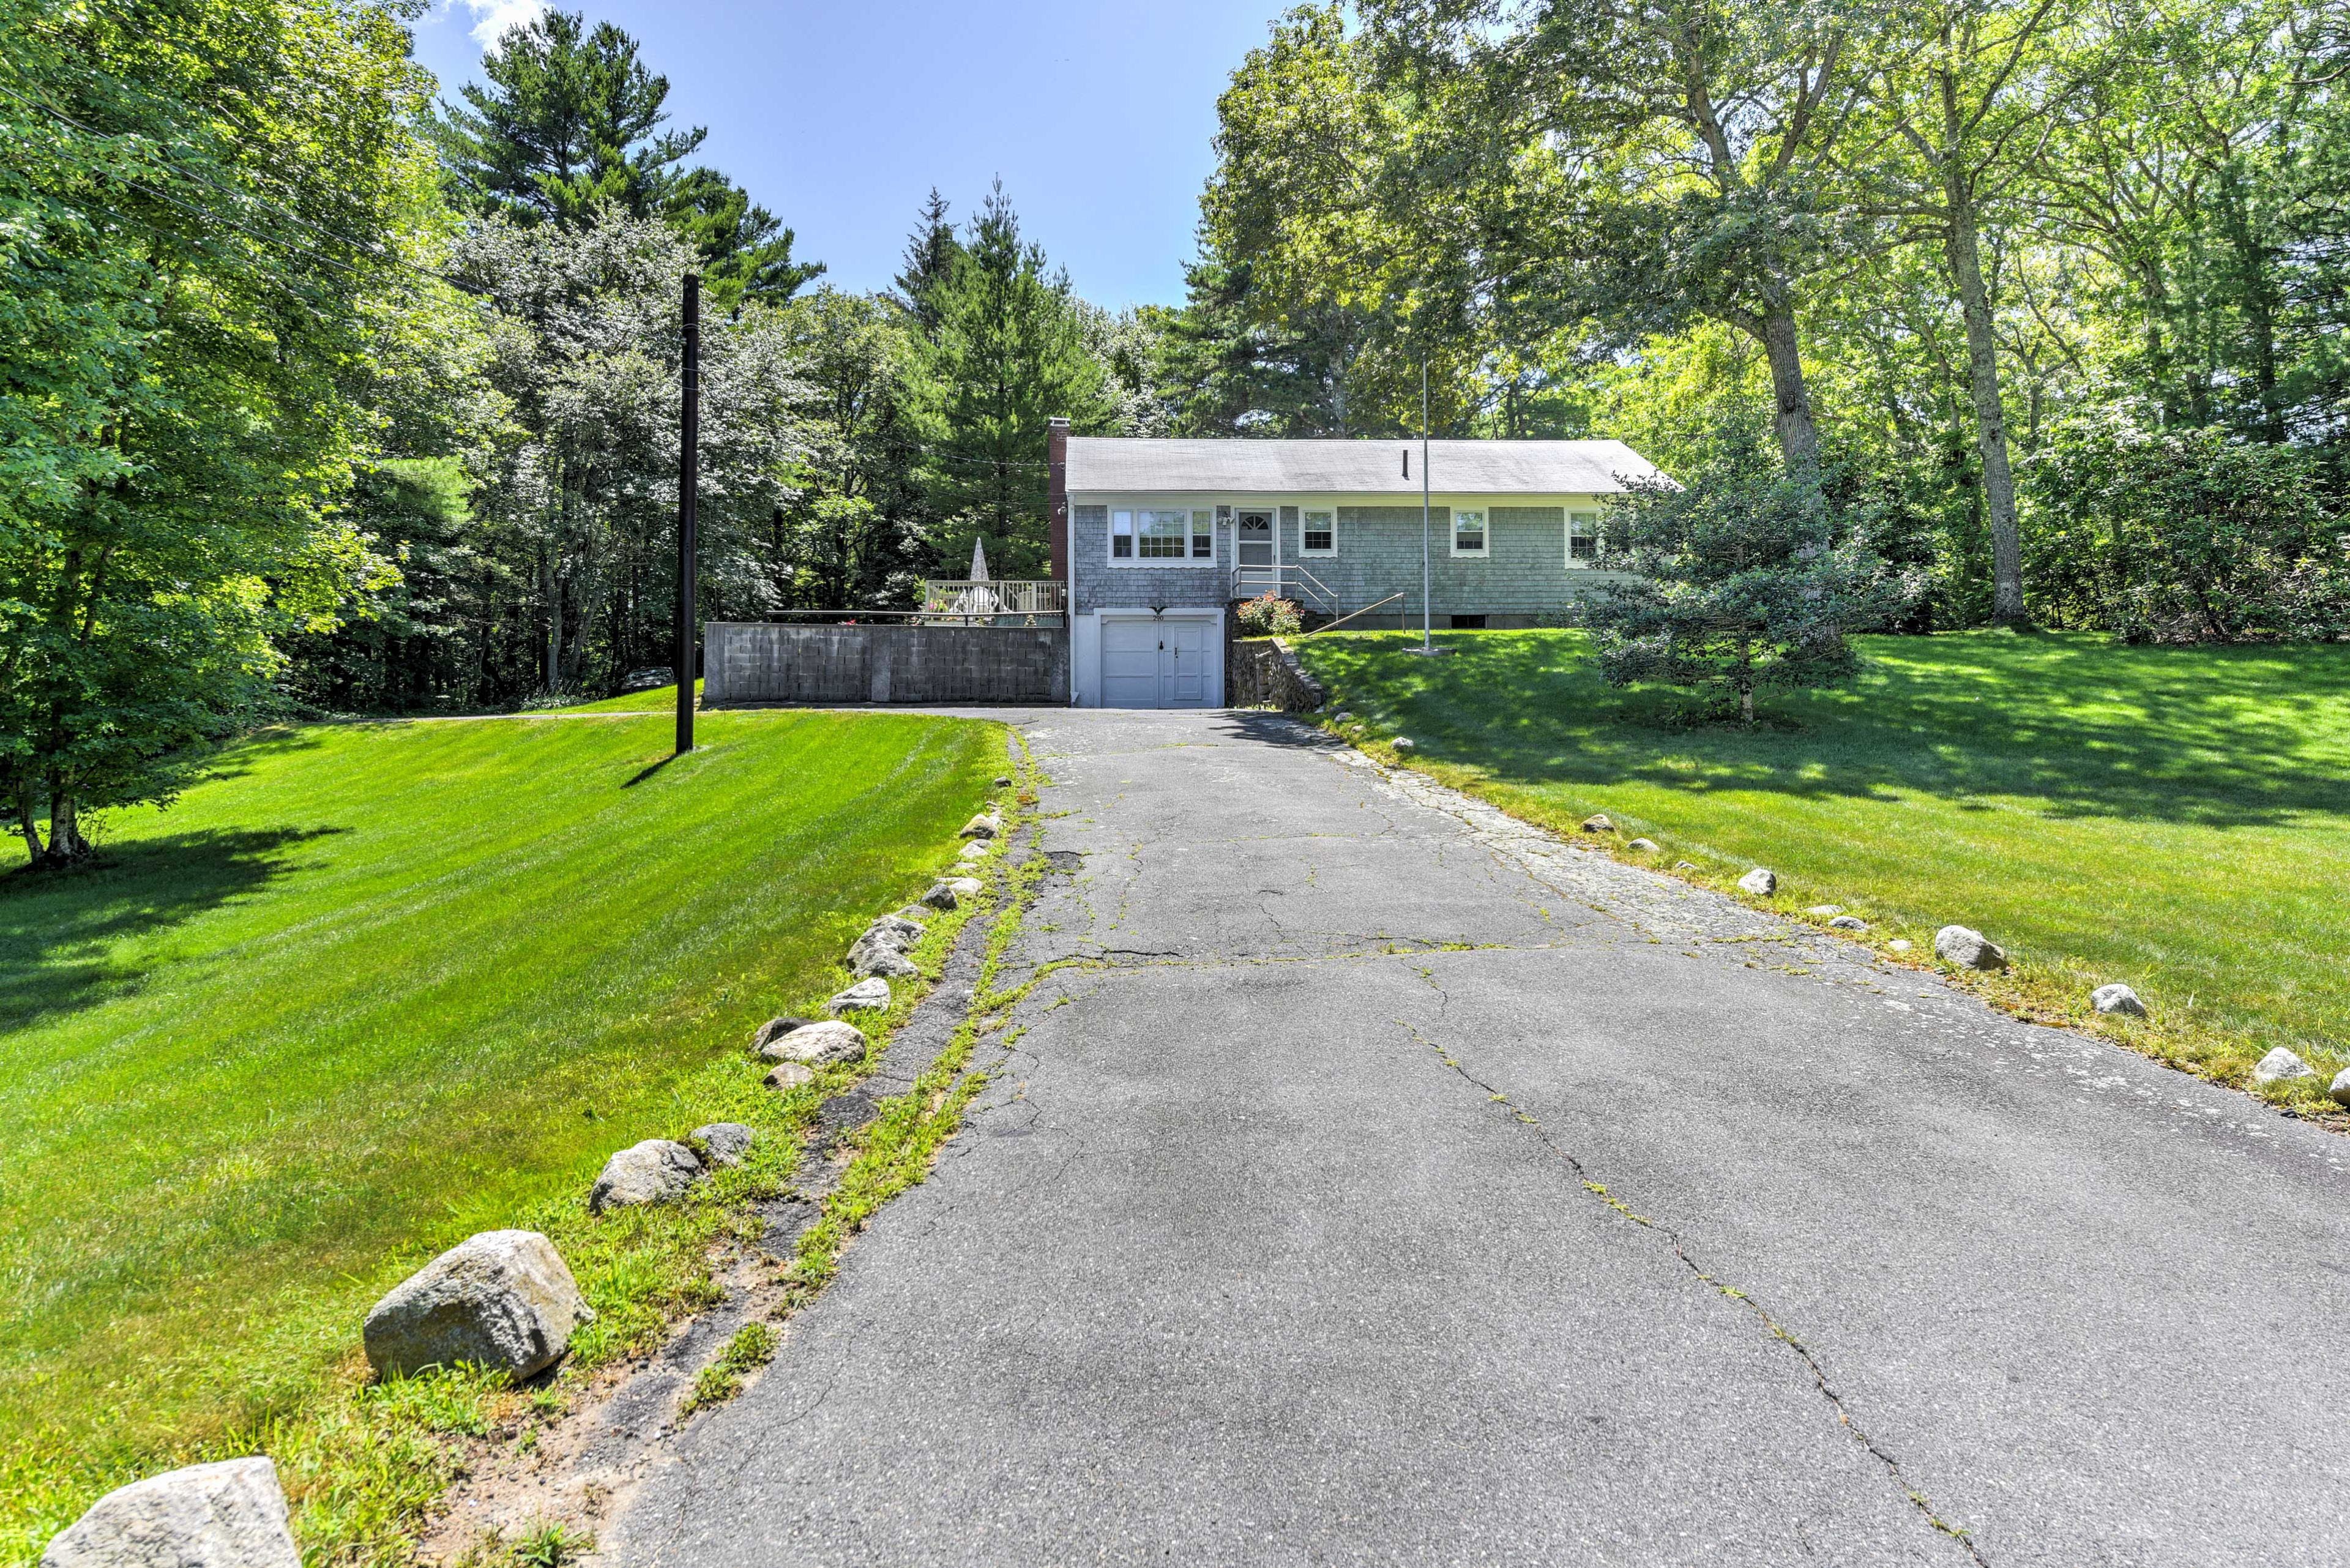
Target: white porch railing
995,600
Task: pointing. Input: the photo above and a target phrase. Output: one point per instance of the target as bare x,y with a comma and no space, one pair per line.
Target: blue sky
839,118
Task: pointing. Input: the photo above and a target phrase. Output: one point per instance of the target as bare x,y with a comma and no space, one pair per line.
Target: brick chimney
1056,514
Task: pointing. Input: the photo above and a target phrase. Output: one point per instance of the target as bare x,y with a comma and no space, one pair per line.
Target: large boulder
2118,997
866,996
226,1515
653,1171
1762,881
1968,948
723,1143
821,1045
896,930
503,1298
874,955
2279,1064
775,1029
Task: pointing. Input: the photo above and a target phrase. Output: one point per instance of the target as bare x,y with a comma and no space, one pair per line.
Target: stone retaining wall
1263,673
758,661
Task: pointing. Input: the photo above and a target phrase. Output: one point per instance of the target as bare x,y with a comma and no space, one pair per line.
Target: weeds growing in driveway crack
752,1346
1727,1291
896,1149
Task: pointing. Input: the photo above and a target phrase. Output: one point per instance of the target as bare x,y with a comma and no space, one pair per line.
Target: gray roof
1332,467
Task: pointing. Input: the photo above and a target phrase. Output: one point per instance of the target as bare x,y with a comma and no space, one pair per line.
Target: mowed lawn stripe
2175,817
447,969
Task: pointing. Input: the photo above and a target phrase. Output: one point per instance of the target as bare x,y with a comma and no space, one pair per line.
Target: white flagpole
1425,645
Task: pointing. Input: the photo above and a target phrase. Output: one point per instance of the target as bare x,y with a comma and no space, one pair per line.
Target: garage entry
1173,660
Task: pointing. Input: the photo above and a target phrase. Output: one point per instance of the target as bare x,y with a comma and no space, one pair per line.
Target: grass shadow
2215,737
60,929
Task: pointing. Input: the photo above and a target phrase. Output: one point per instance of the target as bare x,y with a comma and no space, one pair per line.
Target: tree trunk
66,843
1798,432
27,821
1965,258
554,629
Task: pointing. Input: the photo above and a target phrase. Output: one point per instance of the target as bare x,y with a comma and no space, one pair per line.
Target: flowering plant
1270,615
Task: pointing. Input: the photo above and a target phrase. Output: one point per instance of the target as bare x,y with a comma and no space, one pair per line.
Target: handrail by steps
1351,615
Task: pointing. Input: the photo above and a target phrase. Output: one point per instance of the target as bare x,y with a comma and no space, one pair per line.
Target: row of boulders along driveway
1962,947
503,1299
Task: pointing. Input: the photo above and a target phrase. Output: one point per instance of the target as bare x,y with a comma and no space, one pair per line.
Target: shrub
2186,535
1269,615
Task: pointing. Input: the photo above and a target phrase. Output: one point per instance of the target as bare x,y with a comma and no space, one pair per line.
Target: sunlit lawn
374,987
2177,818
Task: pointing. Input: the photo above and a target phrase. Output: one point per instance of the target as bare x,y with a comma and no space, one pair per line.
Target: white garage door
1154,663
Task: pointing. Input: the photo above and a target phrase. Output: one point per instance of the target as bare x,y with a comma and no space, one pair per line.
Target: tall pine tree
571,118
1007,352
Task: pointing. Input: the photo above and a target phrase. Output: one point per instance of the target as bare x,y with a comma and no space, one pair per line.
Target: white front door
1153,663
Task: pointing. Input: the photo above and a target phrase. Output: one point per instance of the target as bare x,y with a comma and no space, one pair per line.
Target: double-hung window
1162,534
1468,533
1582,538
1320,536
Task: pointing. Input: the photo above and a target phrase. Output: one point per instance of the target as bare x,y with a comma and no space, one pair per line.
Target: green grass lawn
369,988
2177,818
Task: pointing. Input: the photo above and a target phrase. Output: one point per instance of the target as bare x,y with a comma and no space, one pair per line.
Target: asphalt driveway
1394,1184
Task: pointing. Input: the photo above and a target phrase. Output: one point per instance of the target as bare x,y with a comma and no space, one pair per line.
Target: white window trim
1453,532
1214,559
1304,553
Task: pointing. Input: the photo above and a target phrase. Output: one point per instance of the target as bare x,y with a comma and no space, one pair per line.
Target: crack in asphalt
1779,1331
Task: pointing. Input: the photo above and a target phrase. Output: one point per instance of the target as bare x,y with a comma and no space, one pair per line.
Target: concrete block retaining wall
757,661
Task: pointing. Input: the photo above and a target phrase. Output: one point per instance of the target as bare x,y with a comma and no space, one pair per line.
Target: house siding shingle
1525,580
1099,583
1524,577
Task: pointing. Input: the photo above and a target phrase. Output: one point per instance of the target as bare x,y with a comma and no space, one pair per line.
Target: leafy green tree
850,536
579,498
1963,89
198,249
1742,584
1011,353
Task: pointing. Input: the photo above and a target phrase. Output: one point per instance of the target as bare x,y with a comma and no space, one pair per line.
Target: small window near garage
1468,533
1468,623
1321,536
1203,535
1165,536
1582,538
1121,535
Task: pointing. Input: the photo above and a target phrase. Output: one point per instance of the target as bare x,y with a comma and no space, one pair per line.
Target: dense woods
324,392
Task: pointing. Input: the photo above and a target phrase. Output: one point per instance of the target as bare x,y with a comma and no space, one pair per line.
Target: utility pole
689,466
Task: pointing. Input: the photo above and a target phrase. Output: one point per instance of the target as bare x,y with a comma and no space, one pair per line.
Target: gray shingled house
1158,539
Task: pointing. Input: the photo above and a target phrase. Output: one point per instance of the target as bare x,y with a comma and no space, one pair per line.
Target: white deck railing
994,600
